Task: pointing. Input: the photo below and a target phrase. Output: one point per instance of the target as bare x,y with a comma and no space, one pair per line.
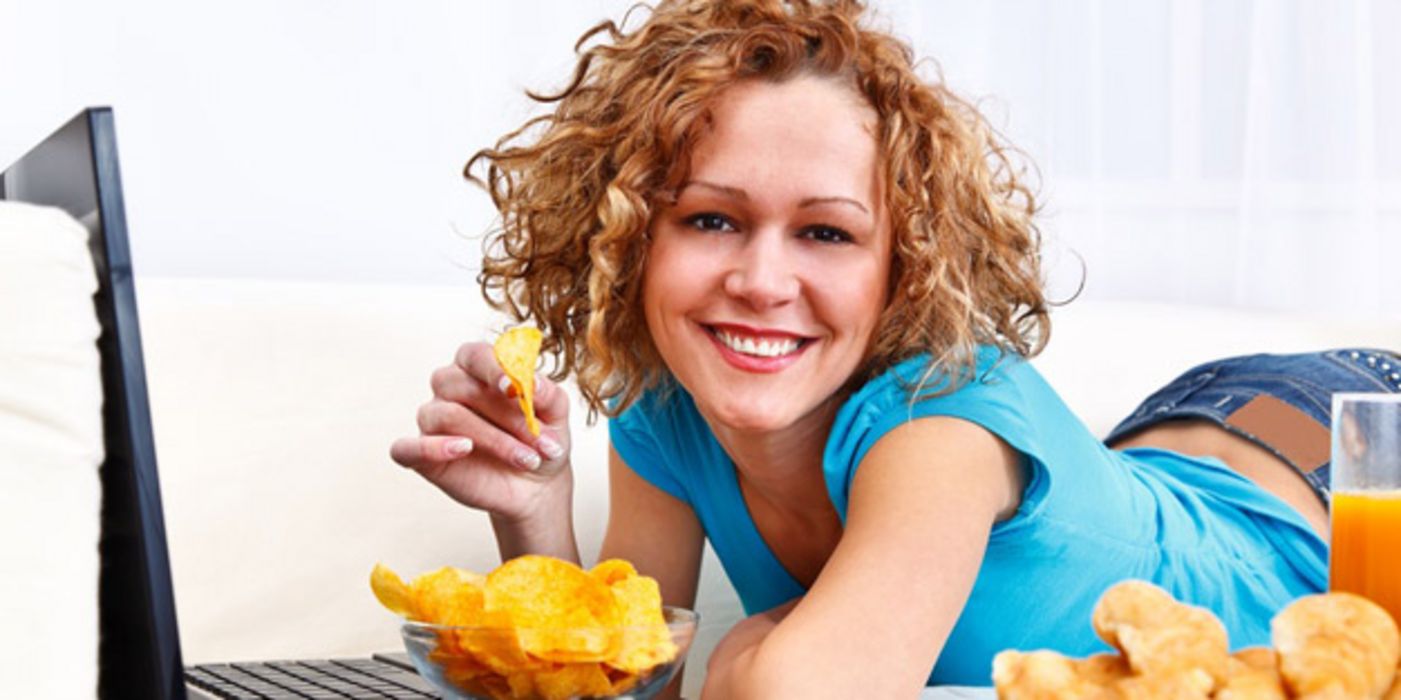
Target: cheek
651,302
678,271
857,299
667,285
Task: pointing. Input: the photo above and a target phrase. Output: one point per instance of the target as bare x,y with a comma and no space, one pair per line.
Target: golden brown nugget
1395,692
1103,669
1253,674
1257,658
1043,675
1192,685
1161,637
1336,645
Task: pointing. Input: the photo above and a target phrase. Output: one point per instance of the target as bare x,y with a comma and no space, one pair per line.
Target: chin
753,418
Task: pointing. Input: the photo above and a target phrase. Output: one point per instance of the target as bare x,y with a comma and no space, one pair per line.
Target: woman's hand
474,445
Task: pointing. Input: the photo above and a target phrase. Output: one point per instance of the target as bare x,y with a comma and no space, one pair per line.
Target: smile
759,346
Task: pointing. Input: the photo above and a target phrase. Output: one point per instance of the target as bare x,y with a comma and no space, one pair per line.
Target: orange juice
1366,549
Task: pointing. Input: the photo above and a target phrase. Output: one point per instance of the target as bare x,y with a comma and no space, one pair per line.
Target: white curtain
1229,152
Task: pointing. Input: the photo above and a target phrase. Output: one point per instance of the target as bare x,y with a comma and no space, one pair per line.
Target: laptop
75,169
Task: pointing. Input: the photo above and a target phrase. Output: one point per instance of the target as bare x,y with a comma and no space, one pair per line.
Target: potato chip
571,681
610,571
561,612
489,686
522,684
516,351
448,596
621,681
497,645
391,591
458,667
537,627
646,640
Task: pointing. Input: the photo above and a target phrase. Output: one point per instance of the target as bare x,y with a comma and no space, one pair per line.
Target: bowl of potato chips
539,628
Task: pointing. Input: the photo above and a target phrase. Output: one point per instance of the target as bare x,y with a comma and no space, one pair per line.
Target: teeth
761,348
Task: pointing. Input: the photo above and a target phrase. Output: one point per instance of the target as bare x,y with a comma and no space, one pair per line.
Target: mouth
757,344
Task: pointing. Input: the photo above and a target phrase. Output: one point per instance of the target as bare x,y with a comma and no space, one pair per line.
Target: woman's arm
923,504
659,534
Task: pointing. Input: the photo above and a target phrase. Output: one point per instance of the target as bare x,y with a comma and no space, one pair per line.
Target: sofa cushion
1107,356
50,452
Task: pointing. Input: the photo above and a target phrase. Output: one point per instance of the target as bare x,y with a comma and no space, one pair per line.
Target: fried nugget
1192,685
1253,674
1161,637
1043,675
1395,692
1103,669
1336,645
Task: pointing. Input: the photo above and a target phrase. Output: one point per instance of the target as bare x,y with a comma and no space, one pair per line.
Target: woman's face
765,278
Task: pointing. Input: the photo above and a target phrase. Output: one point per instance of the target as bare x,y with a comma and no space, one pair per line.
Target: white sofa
274,404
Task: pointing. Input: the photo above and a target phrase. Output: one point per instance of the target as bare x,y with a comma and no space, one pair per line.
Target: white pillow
50,452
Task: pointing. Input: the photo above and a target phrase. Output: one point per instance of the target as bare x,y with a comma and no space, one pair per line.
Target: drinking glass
1365,557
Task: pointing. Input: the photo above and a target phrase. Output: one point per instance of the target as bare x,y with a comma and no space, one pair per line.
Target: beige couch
274,404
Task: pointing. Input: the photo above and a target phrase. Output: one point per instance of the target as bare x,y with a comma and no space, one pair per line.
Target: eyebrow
737,193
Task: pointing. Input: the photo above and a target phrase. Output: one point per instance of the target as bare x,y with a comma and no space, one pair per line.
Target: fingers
474,420
551,402
479,362
503,438
426,450
475,368
451,385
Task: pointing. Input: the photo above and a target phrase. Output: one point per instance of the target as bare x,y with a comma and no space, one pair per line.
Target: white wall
310,139
1237,153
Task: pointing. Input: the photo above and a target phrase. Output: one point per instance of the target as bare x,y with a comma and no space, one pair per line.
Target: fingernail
457,448
552,449
504,385
528,459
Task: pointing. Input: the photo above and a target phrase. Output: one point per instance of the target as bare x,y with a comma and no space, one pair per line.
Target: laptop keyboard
335,678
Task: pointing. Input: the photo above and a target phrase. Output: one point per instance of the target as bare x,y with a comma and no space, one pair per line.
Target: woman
802,284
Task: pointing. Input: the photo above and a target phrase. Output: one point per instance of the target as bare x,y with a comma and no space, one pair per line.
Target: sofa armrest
50,451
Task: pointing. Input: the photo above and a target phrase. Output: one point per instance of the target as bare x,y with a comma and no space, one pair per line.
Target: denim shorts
1281,402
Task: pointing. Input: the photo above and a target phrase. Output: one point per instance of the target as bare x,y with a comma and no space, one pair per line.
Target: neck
783,467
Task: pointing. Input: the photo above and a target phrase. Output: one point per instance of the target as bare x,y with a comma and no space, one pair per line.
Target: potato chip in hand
516,351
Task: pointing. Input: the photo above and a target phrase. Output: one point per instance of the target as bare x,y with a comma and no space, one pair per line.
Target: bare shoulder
943,453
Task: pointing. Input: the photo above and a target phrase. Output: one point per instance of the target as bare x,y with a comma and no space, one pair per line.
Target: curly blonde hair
577,189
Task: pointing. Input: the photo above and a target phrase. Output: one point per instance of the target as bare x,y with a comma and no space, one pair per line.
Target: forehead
808,131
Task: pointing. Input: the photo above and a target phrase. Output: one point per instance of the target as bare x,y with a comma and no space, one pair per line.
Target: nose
764,273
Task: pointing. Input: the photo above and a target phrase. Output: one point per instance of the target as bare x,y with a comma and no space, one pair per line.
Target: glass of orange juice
1365,556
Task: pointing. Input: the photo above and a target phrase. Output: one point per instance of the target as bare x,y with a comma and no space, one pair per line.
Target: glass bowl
486,663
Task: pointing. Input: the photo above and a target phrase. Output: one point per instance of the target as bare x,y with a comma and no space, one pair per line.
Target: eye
710,221
826,234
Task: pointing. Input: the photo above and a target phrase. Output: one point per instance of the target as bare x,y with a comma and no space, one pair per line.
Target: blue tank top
1089,516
